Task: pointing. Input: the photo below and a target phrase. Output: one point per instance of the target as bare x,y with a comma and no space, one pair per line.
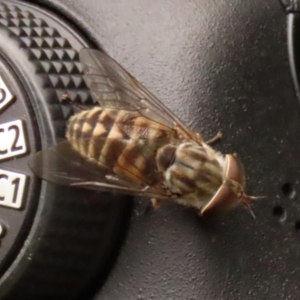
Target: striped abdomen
123,141
194,172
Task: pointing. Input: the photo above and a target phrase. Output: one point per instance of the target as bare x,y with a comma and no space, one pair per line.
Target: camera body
229,67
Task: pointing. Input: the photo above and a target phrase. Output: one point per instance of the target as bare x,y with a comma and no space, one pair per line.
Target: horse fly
131,143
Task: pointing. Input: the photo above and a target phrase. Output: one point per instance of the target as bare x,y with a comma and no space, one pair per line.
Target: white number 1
12,188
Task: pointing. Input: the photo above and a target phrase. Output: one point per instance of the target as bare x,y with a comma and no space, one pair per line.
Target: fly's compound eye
39,70
231,192
235,170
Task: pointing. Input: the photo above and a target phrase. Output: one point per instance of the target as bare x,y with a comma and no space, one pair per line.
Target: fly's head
232,191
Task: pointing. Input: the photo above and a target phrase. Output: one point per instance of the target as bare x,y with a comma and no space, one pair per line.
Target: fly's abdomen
118,140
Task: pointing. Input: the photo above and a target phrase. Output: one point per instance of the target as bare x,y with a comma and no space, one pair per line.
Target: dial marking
12,139
6,96
12,189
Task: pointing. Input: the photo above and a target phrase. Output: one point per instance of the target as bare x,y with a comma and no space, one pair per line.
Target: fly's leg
215,139
155,203
150,205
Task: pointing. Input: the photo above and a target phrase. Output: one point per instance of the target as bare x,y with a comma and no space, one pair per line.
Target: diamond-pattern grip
52,54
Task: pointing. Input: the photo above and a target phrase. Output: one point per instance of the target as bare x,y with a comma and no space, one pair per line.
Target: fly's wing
60,164
63,165
144,125
113,87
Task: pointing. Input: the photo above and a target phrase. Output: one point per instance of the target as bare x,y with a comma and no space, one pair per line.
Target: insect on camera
131,143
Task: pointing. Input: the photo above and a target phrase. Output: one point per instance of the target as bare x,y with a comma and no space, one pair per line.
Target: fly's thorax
194,171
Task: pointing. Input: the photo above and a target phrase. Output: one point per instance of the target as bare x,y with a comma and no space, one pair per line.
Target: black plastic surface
219,65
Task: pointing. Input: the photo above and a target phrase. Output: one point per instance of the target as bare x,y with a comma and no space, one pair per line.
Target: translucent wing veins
113,87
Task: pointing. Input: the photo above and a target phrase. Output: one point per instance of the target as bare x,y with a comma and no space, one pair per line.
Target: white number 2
12,139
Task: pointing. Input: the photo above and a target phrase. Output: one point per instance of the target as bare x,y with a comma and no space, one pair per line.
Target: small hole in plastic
297,225
278,211
288,189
